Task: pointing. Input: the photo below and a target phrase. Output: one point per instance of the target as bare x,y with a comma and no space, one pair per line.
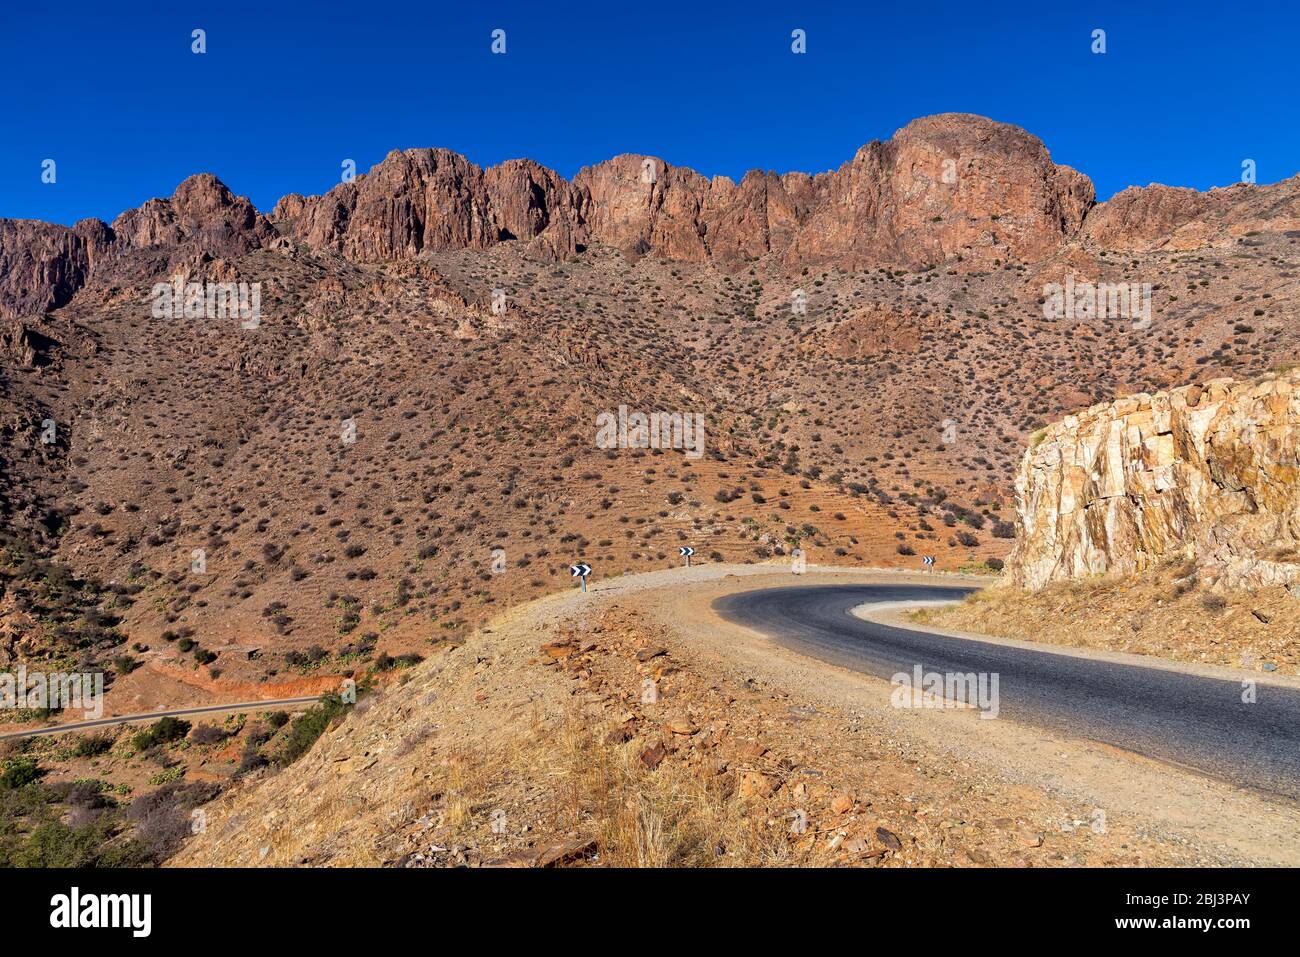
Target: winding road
1193,721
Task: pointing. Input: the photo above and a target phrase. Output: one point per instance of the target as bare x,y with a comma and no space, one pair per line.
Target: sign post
580,571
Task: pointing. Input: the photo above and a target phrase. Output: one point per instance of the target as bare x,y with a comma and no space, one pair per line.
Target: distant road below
155,715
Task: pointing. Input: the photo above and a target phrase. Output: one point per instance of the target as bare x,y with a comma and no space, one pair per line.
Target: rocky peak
43,265
412,201
1206,472
202,213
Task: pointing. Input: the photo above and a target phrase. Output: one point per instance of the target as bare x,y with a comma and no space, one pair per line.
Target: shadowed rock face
952,188
1210,473
43,265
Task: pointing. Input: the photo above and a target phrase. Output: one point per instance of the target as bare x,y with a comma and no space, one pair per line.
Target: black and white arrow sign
580,571
686,550
928,559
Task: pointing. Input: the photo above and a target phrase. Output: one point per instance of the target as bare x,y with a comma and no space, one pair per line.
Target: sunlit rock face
1207,472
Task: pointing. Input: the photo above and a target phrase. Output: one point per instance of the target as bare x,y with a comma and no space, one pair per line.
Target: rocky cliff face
1207,472
944,186
202,215
42,265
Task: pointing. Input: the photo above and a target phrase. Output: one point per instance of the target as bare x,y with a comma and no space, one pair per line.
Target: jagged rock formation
24,344
43,265
952,188
1210,472
201,215
944,186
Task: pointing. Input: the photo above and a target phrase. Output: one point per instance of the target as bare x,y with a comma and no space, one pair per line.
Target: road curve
155,715
1196,722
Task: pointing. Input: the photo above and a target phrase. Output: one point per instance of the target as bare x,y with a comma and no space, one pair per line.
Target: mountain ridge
948,188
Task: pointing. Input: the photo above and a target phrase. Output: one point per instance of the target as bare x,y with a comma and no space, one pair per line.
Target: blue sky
1185,92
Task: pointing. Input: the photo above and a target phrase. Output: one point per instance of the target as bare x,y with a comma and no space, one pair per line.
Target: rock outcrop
24,344
1207,472
202,215
1173,218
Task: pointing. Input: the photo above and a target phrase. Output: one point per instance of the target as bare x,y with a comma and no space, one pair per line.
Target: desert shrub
52,843
88,795
251,757
163,817
305,659
92,745
306,728
208,734
162,731
1214,604
19,771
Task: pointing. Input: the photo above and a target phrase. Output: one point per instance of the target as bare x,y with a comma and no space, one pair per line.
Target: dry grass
1167,612
672,816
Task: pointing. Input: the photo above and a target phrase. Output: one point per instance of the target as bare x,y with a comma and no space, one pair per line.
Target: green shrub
54,844
306,728
163,731
16,772
92,745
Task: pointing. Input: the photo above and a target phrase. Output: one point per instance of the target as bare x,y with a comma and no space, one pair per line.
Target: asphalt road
1196,722
155,715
